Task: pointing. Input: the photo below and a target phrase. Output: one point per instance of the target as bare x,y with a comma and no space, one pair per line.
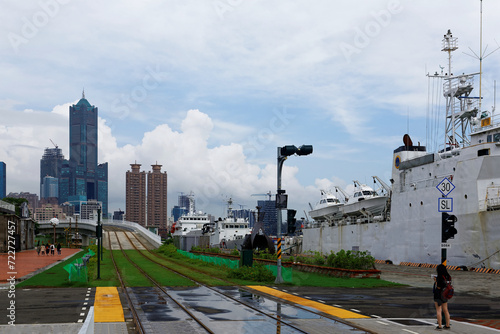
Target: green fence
286,273
220,261
77,270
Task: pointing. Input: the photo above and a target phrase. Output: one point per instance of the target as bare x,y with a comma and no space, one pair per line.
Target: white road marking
409,331
383,323
353,309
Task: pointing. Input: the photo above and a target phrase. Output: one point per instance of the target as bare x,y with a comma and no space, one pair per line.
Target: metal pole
98,244
100,234
279,279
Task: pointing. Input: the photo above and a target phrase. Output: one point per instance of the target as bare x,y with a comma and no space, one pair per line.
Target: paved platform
27,263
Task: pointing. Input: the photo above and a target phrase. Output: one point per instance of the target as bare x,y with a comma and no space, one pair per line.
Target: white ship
191,222
462,178
228,232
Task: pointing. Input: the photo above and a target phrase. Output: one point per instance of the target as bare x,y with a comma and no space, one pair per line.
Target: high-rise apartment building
146,196
157,198
82,175
3,179
135,195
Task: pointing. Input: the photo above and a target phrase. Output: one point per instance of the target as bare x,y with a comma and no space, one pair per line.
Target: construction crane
55,145
268,194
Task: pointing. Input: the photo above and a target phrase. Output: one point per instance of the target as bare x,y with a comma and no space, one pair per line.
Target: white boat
230,231
460,178
192,221
364,202
328,206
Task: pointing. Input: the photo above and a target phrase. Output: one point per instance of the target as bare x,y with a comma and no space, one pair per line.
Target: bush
235,252
350,260
265,255
168,250
257,273
205,250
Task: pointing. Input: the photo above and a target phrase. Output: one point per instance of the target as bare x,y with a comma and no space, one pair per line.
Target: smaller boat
364,202
327,207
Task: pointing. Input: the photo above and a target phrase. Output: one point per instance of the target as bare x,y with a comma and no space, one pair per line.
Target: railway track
238,301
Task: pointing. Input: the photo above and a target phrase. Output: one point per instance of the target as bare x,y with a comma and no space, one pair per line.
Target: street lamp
281,198
54,222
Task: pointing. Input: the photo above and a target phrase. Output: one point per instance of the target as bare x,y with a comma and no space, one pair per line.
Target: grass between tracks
205,273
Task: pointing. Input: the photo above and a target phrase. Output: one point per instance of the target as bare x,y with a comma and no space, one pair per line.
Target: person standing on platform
38,250
52,249
440,303
59,249
47,248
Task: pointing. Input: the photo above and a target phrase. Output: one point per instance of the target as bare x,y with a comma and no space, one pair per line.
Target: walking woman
440,303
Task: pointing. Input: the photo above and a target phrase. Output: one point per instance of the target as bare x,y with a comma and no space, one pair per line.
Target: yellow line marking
335,311
107,305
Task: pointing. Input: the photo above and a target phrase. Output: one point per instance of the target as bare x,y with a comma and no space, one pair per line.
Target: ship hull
413,230
475,244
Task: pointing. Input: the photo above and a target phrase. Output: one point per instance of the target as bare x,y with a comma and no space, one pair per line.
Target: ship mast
449,45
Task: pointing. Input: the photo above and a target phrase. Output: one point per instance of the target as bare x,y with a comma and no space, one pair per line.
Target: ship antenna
482,52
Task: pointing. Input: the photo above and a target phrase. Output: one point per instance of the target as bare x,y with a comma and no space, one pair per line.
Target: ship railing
458,88
486,121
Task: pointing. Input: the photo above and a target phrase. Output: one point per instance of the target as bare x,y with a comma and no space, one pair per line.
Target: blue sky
210,89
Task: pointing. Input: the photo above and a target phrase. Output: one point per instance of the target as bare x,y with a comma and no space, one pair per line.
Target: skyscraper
82,175
50,165
157,197
135,195
3,179
268,208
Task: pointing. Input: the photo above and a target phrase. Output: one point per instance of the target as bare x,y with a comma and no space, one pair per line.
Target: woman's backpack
448,290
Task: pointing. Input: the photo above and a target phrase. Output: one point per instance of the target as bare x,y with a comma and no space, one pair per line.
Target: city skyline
213,91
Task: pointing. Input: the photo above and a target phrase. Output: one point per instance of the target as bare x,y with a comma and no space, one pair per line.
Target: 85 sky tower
82,175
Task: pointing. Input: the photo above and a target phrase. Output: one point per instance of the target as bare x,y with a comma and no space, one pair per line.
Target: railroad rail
280,322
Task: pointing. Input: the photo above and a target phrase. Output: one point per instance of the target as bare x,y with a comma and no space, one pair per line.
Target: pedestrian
59,249
38,250
440,302
47,248
52,249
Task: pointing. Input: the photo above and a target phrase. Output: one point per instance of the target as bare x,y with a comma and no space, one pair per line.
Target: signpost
445,204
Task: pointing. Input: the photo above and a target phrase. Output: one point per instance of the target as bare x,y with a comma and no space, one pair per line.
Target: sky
210,89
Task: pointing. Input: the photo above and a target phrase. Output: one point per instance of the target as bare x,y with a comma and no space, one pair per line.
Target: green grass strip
53,277
301,278
131,275
161,275
191,268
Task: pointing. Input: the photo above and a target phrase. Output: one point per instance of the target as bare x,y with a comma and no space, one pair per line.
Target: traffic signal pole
281,160
283,153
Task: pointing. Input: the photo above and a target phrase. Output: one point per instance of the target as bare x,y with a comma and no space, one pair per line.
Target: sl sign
445,204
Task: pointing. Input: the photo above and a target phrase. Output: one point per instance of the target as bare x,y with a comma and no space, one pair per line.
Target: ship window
330,200
496,137
488,139
485,151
